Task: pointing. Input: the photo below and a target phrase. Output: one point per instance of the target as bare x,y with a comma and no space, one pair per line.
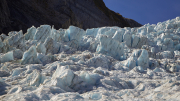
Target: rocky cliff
21,14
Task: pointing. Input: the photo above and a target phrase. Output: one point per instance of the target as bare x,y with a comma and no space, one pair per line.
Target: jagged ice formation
107,63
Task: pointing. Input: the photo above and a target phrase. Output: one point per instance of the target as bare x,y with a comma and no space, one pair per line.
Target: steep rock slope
22,14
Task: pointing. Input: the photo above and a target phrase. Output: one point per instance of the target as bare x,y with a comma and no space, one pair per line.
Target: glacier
106,63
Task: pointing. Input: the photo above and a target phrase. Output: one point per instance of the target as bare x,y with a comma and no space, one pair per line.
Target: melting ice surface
108,63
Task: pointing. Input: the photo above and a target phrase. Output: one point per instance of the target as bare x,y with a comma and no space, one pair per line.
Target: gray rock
64,14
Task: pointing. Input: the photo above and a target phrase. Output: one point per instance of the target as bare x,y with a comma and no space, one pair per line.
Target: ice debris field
108,63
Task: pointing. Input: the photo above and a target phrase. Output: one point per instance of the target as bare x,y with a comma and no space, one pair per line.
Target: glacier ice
95,96
33,79
106,63
138,58
127,38
15,37
118,36
75,33
16,40
2,87
17,53
30,33
99,61
58,35
110,47
41,48
51,46
32,67
143,59
42,33
30,56
7,57
4,73
90,79
135,41
15,89
137,69
65,79
43,58
17,71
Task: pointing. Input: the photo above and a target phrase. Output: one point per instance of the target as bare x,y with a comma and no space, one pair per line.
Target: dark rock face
18,15
133,23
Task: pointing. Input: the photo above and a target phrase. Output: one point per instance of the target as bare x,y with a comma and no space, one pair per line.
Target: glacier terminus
106,63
